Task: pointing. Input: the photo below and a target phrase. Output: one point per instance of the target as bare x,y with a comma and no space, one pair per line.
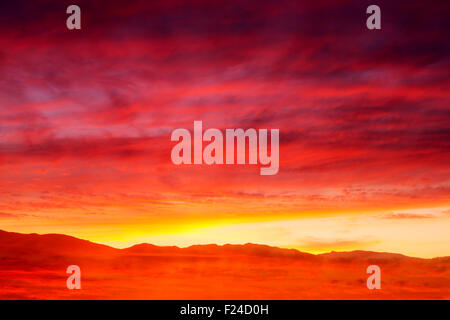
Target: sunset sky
86,118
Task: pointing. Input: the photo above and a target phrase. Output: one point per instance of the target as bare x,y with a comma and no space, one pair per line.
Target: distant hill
34,266
12,242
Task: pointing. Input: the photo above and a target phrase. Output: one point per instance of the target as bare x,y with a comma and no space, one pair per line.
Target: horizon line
222,245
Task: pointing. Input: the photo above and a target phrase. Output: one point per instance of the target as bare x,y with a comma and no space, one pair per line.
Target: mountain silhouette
34,266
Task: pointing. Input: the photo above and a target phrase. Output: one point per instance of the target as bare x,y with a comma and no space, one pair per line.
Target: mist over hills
34,266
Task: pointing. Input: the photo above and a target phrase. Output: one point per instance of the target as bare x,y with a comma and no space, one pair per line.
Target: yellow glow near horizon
387,232
391,231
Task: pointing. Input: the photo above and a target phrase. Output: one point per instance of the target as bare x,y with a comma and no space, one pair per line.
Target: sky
86,117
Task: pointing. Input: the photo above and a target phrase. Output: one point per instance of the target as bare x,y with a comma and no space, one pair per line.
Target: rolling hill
34,266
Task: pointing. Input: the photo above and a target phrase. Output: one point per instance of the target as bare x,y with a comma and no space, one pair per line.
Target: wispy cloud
85,117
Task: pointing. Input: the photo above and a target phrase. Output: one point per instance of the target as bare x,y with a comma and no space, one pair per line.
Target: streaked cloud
85,117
